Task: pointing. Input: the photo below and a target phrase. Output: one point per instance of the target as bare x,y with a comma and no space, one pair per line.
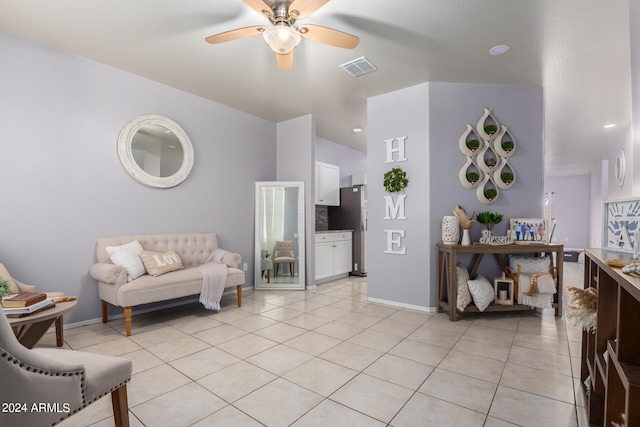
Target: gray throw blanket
214,277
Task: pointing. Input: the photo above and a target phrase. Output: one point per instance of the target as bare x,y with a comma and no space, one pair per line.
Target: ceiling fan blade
238,33
300,9
259,6
284,61
328,36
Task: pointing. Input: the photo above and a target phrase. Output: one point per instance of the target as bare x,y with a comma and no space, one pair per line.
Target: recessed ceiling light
356,130
500,49
610,125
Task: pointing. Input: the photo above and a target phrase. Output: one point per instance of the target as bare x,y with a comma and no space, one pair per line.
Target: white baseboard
170,304
402,305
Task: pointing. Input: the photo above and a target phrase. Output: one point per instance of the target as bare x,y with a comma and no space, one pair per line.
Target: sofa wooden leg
105,312
127,320
239,291
120,406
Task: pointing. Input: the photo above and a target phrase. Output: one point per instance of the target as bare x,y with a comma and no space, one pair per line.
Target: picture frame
621,222
528,231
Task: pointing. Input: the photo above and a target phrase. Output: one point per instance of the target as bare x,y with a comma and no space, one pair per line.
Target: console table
447,278
611,354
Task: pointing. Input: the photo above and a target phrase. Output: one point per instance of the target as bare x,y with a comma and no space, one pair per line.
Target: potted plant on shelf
507,146
490,129
489,219
473,144
473,177
490,194
507,177
395,180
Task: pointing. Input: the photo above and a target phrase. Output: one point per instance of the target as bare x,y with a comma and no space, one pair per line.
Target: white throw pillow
464,297
481,291
128,256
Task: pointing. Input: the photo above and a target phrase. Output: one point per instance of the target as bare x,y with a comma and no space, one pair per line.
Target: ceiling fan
282,36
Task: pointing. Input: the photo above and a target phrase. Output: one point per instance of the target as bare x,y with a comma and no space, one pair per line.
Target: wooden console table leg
440,273
452,286
59,332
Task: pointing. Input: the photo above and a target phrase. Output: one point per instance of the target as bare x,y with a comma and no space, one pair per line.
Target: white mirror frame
125,139
259,283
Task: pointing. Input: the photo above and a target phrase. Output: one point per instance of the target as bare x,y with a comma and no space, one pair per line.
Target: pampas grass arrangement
583,306
463,220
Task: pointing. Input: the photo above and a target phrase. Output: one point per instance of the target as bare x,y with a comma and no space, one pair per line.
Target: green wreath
395,180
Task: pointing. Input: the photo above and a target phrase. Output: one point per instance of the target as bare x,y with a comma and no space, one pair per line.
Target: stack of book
25,303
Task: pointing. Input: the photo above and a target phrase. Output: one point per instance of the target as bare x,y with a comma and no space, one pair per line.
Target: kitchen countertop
332,231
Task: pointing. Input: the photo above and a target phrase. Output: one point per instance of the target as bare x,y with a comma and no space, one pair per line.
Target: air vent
358,67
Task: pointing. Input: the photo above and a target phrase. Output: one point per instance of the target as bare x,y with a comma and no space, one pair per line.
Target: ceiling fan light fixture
281,39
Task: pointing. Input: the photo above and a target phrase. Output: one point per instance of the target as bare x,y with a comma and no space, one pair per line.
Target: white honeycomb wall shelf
487,149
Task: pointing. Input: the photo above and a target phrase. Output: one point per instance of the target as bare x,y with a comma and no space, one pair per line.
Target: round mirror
155,151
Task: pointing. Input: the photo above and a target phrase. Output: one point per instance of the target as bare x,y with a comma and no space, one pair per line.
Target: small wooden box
503,288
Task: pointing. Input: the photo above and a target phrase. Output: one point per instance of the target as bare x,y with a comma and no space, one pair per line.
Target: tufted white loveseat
193,249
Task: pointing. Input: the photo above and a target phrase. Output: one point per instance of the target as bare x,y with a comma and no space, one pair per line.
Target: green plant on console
489,219
395,180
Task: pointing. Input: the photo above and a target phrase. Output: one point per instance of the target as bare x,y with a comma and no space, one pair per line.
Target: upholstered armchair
17,286
283,254
47,385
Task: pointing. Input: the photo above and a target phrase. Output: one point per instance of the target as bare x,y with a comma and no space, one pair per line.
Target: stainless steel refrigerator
352,215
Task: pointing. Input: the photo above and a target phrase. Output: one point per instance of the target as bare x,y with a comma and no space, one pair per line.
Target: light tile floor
328,357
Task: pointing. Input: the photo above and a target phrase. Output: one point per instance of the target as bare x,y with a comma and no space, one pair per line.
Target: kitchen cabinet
327,184
333,255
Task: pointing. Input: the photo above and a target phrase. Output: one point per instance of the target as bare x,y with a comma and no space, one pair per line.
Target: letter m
392,210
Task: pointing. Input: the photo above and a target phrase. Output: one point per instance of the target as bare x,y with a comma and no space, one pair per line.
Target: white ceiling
577,50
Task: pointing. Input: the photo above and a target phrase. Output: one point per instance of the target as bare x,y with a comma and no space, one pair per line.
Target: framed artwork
526,231
621,219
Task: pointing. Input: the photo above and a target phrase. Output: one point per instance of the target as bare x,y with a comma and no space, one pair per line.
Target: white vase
450,230
466,240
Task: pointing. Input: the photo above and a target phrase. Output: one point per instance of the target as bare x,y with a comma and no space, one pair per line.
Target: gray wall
349,160
62,183
405,278
295,162
570,208
433,116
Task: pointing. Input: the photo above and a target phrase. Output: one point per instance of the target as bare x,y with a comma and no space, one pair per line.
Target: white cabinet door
324,260
342,258
327,184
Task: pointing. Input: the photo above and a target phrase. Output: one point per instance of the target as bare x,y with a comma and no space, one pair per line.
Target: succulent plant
489,219
491,129
506,177
473,177
490,193
473,144
507,145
